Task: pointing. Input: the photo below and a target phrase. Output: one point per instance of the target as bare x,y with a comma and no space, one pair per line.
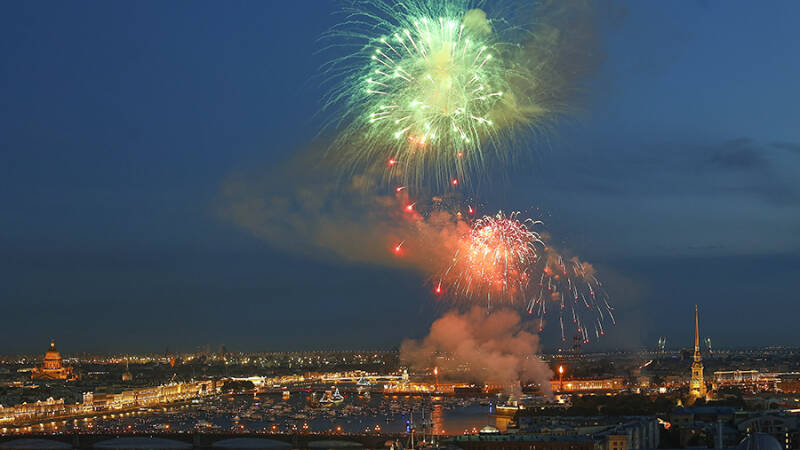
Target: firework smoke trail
430,89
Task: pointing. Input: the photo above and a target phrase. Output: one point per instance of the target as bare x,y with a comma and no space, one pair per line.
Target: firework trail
429,90
570,287
503,259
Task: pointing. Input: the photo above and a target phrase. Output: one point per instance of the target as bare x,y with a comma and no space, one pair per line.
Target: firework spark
494,261
424,87
503,259
570,287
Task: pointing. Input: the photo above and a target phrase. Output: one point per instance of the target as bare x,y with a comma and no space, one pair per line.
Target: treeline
234,386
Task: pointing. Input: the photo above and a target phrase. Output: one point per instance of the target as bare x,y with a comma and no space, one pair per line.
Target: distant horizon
547,352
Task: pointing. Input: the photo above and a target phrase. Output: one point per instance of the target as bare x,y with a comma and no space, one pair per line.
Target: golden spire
697,356
696,332
697,386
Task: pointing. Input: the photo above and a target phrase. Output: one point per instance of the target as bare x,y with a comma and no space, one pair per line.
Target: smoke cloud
496,348
562,49
300,207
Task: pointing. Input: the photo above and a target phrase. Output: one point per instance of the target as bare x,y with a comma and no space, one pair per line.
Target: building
149,396
500,441
788,382
39,410
608,432
127,375
737,377
785,428
587,384
52,367
704,426
685,418
568,433
759,441
697,385
94,402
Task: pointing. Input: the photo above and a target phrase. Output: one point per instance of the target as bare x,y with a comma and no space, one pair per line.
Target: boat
326,399
204,424
337,397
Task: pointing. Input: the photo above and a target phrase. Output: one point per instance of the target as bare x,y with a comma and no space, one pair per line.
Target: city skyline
701,345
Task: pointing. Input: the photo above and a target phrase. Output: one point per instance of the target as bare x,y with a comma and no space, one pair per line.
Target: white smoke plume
474,346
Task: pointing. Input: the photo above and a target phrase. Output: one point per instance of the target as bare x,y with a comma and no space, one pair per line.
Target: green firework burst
429,92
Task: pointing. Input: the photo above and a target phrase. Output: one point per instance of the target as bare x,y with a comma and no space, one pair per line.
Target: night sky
120,122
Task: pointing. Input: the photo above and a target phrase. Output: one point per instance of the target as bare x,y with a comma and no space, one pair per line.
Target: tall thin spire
696,332
697,386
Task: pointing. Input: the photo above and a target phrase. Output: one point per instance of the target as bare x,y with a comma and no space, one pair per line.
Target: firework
494,261
569,287
503,259
425,90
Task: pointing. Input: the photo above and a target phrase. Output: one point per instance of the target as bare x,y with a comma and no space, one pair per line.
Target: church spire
696,333
697,385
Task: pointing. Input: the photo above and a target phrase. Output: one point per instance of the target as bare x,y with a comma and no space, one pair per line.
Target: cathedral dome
52,368
52,354
759,441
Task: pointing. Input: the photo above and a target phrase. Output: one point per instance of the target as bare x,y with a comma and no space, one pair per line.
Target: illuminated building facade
587,384
697,385
100,402
148,396
52,367
737,377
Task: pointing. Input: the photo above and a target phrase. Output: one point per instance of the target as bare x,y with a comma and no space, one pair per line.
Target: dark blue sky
119,123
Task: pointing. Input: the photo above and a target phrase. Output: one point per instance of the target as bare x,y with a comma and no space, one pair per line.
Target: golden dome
51,368
52,354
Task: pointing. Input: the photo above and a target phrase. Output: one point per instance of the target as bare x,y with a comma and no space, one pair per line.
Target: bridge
288,380
176,441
